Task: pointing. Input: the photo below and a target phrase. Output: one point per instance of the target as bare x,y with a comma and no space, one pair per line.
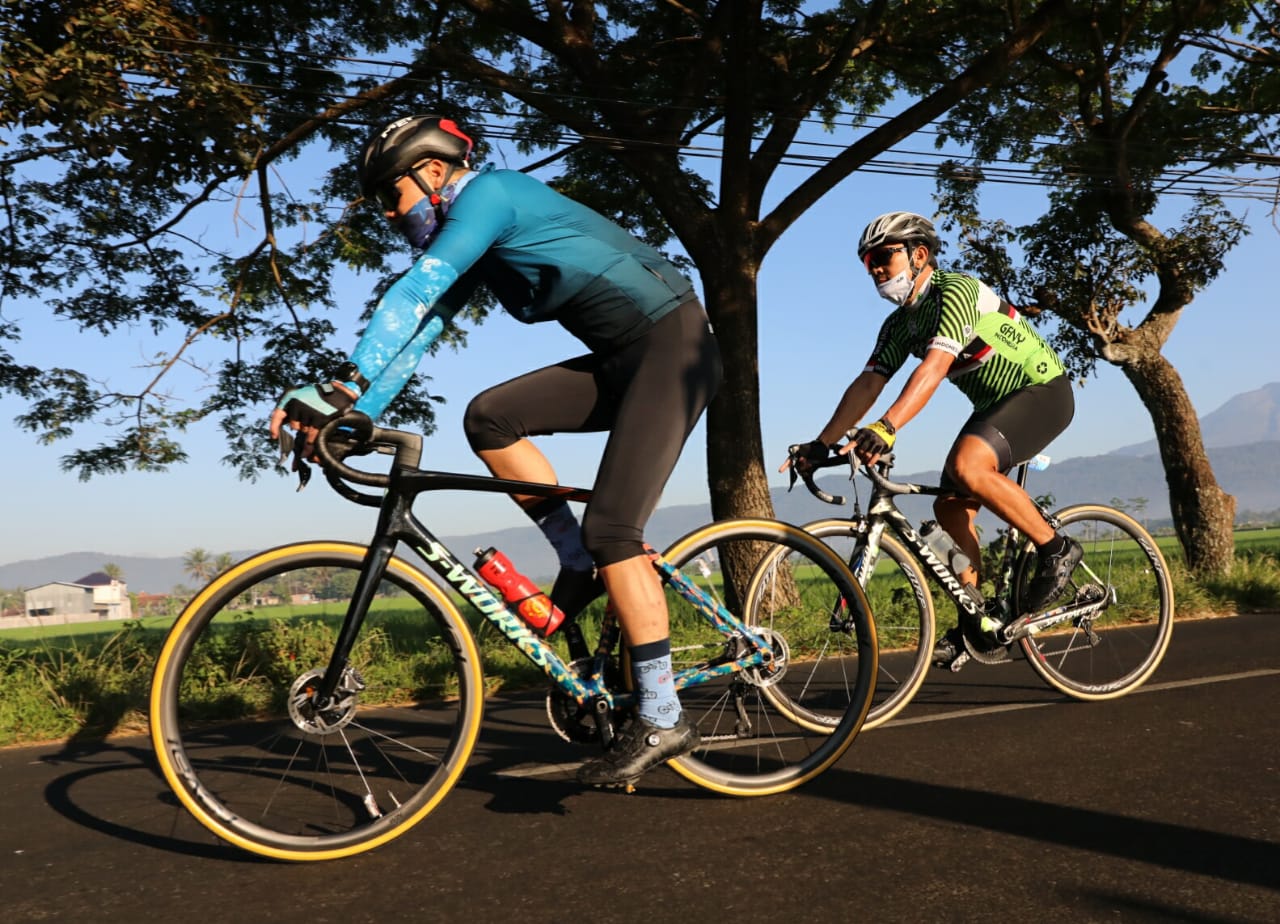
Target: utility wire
803,153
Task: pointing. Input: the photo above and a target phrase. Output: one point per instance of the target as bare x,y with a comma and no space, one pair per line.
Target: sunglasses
388,194
882,256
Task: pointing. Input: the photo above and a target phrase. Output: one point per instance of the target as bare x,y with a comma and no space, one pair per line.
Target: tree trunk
1203,514
735,457
736,473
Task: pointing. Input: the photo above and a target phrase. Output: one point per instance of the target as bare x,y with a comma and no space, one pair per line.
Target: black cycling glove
874,439
814,452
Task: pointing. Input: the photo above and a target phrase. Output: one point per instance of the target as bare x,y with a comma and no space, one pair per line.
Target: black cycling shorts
1023,423
647,394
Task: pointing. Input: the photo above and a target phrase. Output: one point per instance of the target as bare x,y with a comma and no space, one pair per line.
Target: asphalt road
991,798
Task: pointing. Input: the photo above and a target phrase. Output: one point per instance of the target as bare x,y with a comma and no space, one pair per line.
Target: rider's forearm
406,322
924,381
855,403
395,374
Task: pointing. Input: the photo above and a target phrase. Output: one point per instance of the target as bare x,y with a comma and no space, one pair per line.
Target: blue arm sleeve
406,322
415,309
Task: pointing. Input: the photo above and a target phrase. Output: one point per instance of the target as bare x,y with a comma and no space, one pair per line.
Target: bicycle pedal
959,661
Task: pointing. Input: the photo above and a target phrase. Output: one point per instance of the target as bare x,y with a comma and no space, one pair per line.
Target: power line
900,162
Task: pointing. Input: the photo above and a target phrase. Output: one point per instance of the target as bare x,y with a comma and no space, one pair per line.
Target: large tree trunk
1203,514
735,456
735,460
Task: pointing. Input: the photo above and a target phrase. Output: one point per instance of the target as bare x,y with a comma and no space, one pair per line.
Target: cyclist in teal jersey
965,333
651,368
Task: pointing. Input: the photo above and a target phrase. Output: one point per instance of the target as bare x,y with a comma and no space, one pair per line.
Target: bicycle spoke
260,762
769,724
1116,613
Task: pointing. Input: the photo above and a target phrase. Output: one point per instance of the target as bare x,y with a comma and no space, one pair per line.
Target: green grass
92,679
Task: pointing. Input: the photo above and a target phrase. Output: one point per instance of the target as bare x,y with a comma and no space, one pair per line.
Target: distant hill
1251,417
1243,437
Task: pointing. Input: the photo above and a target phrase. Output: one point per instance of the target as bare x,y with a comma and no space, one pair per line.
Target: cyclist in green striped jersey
963,332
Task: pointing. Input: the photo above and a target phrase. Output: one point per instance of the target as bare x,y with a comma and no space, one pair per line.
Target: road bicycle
319,699
1102,638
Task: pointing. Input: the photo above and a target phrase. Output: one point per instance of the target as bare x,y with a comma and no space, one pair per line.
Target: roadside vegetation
83,681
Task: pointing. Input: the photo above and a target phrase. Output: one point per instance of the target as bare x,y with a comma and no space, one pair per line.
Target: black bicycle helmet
898,228
392,150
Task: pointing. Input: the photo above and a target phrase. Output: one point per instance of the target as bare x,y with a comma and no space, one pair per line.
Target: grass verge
92,684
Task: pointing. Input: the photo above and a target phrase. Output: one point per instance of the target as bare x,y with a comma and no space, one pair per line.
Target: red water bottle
534,606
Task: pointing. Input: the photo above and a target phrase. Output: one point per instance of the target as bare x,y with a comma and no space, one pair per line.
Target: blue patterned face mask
420,223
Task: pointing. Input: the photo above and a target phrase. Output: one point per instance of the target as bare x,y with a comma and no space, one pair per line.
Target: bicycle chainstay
744,651
1090,600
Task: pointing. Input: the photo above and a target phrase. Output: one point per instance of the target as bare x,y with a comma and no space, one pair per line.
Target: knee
486,425
948,509
966,473
609,541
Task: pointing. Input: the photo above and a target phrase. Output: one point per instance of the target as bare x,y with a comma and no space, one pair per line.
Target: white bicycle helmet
898,228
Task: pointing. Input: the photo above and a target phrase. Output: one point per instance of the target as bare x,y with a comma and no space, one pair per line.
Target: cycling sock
561,528
655,691
1053,547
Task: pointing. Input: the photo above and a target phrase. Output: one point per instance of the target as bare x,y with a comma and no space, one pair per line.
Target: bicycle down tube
398,523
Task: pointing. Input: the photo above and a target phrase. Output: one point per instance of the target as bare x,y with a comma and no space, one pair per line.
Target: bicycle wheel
1123,597
758,735
245,749
898,593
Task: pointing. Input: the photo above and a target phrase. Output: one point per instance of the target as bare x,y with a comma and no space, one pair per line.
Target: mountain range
1242,437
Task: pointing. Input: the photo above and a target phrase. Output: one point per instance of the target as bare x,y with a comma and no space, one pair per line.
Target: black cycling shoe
948,647
1051,577
979,637
638,748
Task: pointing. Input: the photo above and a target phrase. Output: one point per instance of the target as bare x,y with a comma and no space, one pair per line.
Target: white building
94,596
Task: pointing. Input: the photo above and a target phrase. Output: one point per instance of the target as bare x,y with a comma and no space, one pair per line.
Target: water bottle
534,606
940,541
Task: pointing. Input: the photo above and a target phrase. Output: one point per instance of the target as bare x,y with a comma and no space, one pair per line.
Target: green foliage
150,173
1104,110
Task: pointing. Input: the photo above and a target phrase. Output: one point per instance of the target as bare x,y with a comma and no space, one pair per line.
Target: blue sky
819,315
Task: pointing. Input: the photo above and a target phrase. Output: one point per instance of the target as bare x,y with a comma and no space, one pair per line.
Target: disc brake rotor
334,716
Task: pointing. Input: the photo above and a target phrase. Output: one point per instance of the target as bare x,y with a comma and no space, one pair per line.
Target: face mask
898,289
421,222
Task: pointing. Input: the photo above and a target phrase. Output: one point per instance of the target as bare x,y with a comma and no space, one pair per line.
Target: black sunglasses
388,193
881,256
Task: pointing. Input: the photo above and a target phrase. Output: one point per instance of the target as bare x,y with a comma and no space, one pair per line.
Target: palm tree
113,571
199,564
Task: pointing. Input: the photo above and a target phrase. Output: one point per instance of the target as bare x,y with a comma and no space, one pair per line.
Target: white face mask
898,289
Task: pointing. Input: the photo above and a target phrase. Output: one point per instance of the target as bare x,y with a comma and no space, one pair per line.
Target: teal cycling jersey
542,255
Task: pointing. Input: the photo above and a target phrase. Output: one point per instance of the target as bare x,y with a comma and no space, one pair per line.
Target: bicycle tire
752,744
1104,658
902,607
245,752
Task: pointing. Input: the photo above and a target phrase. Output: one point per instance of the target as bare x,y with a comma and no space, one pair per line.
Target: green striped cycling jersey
997,352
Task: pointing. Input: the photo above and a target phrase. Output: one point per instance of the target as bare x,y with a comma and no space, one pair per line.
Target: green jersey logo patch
1016,342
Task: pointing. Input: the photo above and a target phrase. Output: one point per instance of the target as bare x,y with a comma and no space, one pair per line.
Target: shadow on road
99,783
1192,850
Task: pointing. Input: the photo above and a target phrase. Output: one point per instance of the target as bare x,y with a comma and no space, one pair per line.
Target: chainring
572,721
